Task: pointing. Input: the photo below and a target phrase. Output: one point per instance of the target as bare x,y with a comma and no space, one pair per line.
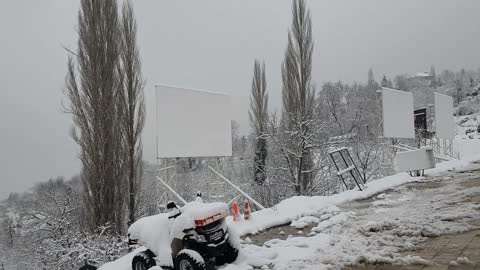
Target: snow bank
456,164
296,207
303,222
460,260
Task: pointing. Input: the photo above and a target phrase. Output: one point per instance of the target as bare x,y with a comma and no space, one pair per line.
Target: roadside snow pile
457,164
304,222
460,260
301,206
333,221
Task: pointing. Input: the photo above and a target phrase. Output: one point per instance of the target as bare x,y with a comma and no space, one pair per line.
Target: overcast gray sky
209,45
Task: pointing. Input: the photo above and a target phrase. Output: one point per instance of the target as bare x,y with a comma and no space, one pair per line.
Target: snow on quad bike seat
157,232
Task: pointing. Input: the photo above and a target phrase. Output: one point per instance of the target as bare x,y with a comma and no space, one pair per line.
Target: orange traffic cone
246,210
236,212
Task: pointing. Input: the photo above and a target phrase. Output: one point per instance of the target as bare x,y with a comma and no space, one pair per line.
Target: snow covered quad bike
194,237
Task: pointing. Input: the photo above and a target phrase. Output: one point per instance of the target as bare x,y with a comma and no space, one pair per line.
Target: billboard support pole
162,169
237,188
172,190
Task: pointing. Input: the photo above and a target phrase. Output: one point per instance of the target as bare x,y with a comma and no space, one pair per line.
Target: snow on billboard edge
192,123
444,122
397,112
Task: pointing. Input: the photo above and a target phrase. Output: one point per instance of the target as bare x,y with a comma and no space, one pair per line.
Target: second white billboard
397,110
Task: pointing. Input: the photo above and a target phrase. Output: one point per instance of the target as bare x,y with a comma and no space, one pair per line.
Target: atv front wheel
189,260
230,254
143,260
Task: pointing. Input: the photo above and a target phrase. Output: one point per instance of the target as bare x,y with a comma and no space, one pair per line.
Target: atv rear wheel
143,260
185,261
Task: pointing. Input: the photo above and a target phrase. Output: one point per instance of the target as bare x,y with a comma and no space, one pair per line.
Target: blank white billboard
397,110
193,123
444,123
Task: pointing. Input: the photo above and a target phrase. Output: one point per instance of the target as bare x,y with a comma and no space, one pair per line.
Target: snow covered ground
376,229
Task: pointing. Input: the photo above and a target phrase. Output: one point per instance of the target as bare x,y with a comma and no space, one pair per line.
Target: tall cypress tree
133,105
298,96
258,120
93,89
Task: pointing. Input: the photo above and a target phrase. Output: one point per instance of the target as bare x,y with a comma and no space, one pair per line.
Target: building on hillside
424,76
422,79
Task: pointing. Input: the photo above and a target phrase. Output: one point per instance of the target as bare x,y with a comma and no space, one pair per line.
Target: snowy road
374,230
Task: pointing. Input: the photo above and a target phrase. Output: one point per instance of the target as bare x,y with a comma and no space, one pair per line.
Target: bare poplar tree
93,89
298,96
133,104
331,97
258,120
